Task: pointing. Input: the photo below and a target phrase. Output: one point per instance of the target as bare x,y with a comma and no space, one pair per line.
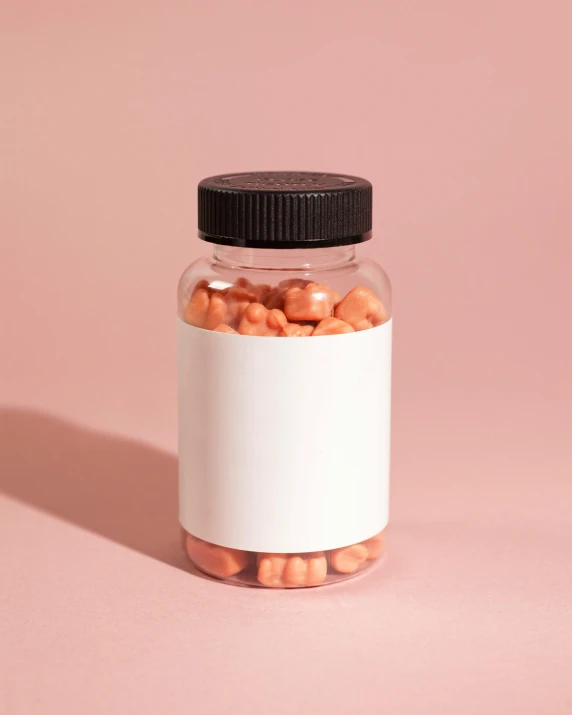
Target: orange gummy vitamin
362,309
332,326
218,561
349,558
258,320
313,302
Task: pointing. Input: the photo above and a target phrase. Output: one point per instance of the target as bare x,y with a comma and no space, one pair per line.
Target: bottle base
284,571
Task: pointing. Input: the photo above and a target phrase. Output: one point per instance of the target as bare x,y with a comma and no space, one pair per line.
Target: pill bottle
284,354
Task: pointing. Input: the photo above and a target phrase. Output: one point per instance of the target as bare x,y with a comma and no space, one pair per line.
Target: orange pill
294,330
270,569
316,569
281,570
313,302
375,546
197,308
258,320
225,329
216,560
362,309
294,573
332,326
276,319
218,312
349,558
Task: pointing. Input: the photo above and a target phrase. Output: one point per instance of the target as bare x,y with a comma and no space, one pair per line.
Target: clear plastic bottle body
264,276
338,268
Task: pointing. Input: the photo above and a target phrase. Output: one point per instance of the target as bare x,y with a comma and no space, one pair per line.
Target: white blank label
284,442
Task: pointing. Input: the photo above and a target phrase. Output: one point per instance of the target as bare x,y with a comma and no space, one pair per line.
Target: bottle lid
285,209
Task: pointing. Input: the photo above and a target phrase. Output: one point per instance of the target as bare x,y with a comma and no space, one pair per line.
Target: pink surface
460,114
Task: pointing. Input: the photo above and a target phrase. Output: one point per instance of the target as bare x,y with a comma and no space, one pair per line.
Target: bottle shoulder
342,277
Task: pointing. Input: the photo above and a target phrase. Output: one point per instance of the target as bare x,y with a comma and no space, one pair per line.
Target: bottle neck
295,259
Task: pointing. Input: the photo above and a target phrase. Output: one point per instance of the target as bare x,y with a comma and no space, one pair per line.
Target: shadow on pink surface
119,488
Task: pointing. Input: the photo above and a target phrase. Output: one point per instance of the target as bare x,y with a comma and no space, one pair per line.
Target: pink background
460,114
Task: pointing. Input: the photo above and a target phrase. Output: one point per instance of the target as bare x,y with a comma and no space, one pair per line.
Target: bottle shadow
119,488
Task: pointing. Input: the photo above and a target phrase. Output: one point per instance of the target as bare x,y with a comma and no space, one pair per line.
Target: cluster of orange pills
294,308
